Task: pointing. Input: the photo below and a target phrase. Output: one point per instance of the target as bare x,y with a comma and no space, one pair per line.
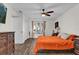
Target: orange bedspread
52,43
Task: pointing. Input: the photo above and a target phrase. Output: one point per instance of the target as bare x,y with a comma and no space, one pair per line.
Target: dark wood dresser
7,45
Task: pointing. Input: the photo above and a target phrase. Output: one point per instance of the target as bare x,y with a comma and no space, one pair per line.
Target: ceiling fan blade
50,11
47,14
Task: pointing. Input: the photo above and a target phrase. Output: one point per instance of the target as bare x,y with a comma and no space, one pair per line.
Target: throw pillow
63,35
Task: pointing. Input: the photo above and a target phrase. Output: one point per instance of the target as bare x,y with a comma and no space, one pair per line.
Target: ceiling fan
46,13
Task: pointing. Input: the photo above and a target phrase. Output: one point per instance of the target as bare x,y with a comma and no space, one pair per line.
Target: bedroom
22,19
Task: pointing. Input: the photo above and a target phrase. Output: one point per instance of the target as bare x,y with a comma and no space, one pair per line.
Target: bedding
63,35
52,43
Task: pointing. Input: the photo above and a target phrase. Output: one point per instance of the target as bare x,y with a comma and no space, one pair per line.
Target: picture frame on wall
3,13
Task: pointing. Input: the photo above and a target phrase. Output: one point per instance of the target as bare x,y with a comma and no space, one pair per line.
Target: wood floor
27,49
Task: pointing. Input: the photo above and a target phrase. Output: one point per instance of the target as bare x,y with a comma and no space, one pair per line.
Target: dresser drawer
3,43
3,34
3,50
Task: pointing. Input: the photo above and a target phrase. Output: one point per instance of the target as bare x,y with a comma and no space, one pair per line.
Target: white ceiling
34,10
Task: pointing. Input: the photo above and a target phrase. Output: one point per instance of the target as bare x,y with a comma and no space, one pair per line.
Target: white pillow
63,35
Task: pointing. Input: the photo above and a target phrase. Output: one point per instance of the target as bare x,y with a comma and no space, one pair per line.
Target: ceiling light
43,15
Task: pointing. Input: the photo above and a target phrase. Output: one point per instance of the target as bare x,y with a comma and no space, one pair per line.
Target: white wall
17,25
49,27
69,22
25,28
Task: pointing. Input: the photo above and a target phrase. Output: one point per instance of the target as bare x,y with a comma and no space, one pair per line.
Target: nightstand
76,46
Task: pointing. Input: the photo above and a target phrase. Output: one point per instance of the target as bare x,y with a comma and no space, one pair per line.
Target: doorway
38,28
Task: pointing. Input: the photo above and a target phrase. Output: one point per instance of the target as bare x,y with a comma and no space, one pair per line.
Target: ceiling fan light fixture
43,15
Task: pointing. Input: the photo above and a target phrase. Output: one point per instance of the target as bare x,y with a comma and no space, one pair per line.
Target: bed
53,43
